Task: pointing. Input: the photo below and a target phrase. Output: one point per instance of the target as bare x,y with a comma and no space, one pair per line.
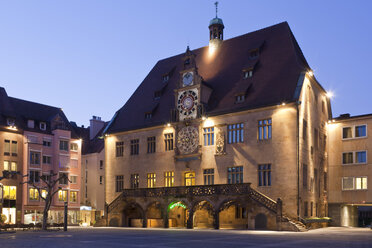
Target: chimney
96,124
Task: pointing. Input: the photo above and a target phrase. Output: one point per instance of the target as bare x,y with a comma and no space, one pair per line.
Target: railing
200,190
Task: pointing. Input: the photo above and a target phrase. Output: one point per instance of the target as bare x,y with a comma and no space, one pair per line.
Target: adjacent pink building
50,148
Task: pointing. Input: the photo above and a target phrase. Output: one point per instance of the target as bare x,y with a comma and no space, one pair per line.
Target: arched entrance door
154,215
177,214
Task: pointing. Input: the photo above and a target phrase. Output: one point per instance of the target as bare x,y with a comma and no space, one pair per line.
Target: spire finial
216,3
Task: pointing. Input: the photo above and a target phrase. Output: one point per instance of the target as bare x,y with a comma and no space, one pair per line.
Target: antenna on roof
216,3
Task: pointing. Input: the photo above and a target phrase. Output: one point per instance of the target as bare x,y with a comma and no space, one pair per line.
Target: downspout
298,157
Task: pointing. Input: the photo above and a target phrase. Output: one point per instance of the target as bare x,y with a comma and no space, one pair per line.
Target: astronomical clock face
188,78
187,104
188,140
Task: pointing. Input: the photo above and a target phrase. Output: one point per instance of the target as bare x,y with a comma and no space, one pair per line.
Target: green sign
177,204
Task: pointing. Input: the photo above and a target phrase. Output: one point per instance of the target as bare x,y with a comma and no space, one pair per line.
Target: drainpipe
298,157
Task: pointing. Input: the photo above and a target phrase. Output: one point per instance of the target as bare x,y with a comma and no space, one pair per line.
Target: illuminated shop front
9,203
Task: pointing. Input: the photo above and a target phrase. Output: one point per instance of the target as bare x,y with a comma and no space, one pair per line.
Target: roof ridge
27,101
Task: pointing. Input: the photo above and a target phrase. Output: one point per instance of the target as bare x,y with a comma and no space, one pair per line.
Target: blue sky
88,56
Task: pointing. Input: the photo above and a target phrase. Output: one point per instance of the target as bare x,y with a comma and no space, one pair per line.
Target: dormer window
157,95
30,123
165,78
10,122
239,98
247,73
187,62
254,53
42,126
148,116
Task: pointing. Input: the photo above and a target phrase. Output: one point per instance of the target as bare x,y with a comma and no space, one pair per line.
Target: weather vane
216,3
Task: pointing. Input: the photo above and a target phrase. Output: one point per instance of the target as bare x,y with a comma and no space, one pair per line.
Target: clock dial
187,103
188,140
188,78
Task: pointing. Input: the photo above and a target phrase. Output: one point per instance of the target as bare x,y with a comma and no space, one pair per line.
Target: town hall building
230,135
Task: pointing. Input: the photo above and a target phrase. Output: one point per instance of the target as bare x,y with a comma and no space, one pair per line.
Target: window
354,183
151,144
247,74
360,131
100,179
304,129
119,183
208,176
45,177
134,181
264,175
235,133
190,178
323,107
73,179
74,147
169,178
101,164
34,158
44,193
14,148
264,129
253,53
63,145
361,157
47,142
7,147
151,180
165,78
235,175
347,133
306,209
10,122
134,147
361,183
347,158
239,98
42,126
33,194
73,196
316,138
187,62
62,195
354,132
30,123
168,140
47,159
10,166
63,178
10,192
208,136
325,181
34,176
304,176
119,149
148,116
157,94
240,213
316,180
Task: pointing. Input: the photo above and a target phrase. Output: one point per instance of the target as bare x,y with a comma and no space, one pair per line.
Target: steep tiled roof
94,145
23,111
277,69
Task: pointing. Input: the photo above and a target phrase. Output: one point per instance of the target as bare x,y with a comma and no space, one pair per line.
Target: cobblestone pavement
179,238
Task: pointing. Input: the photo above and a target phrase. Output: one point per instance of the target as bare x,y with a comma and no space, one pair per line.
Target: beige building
224,136
350,171
92,171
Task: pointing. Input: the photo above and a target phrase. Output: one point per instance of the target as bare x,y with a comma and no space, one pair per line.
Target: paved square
136,237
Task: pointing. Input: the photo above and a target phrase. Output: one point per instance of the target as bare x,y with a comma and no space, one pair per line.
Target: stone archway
155,215
133,215
178,213
233,214
260,222
203,215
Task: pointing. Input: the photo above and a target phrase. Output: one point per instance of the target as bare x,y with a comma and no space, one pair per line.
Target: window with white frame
358,131
30,123
354,183
73,179
63,145
42,126
34,158
47,159
357,157
74,147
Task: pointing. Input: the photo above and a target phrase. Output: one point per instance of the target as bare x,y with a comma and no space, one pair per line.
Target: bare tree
48,184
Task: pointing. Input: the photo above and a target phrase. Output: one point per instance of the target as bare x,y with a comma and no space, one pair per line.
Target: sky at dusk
88,56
